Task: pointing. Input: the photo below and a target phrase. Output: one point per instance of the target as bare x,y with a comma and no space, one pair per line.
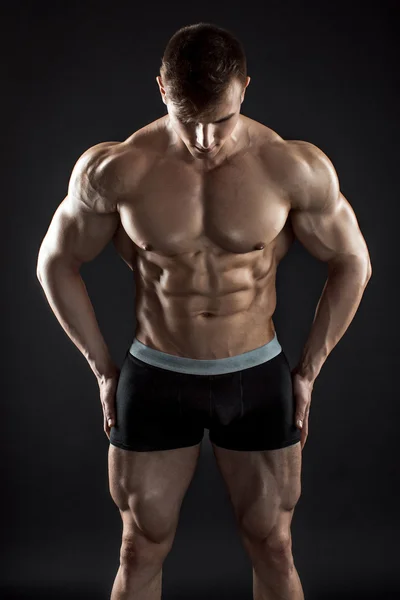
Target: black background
78,73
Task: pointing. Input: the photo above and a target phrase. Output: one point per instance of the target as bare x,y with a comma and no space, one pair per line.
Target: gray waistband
195,366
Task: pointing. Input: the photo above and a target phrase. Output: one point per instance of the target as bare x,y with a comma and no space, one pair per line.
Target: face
205,138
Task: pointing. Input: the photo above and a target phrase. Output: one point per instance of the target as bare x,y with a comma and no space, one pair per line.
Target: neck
238,139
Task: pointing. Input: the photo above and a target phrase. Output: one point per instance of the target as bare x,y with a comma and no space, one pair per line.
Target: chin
205,154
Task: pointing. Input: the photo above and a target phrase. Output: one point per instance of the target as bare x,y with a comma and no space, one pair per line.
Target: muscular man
202,204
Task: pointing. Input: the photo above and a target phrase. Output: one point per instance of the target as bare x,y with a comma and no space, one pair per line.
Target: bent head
202,82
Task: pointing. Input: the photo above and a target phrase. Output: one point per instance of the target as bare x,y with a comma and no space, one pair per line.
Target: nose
204,138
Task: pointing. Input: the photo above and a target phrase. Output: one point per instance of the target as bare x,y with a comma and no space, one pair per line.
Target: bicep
77,234
331,234
87,218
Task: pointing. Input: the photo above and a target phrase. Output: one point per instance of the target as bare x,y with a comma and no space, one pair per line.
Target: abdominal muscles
207,304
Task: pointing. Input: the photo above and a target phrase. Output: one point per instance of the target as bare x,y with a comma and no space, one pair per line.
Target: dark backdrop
78,73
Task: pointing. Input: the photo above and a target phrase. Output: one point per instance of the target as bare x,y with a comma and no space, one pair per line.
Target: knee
139,551
278,548
277,551
148,534
271,546
274,552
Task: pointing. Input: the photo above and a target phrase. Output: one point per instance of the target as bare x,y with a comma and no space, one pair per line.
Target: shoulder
312,181
107,172
304,173
98,179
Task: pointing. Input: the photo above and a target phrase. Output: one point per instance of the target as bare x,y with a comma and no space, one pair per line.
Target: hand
108,387
302,389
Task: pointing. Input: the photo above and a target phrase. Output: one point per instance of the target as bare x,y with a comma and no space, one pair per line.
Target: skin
203,234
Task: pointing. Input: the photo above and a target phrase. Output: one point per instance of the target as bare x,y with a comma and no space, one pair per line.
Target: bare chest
236,208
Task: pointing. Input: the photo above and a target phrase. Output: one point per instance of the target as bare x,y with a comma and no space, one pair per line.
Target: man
202,204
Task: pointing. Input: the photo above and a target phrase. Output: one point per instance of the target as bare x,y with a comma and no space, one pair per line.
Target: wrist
306,373
105,372
310,364
109,376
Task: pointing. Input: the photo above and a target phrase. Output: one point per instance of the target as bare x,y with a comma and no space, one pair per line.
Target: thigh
264,487
148,488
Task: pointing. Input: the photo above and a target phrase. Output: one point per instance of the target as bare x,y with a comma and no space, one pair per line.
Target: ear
161,87
248,79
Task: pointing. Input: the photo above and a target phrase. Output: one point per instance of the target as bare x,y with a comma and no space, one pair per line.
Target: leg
264,487
148,488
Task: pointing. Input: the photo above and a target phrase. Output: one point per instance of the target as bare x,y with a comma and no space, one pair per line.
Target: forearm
336,308
68,298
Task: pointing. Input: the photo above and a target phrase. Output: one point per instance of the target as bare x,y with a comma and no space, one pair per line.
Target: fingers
301,415
304,426
108,417
303,401
107,398
304,432
108,420
301,412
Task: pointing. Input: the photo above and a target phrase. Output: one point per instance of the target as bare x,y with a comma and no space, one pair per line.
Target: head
203,78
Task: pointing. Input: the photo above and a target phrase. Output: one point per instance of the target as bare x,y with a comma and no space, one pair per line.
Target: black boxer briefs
247,409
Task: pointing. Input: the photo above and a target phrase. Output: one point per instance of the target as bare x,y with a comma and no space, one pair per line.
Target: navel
259,246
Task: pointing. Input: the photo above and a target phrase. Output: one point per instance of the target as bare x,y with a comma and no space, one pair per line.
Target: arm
326,226
81,227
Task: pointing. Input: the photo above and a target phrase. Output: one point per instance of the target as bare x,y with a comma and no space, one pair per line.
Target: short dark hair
198,65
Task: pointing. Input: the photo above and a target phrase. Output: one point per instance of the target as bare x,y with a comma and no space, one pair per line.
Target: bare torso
204,243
